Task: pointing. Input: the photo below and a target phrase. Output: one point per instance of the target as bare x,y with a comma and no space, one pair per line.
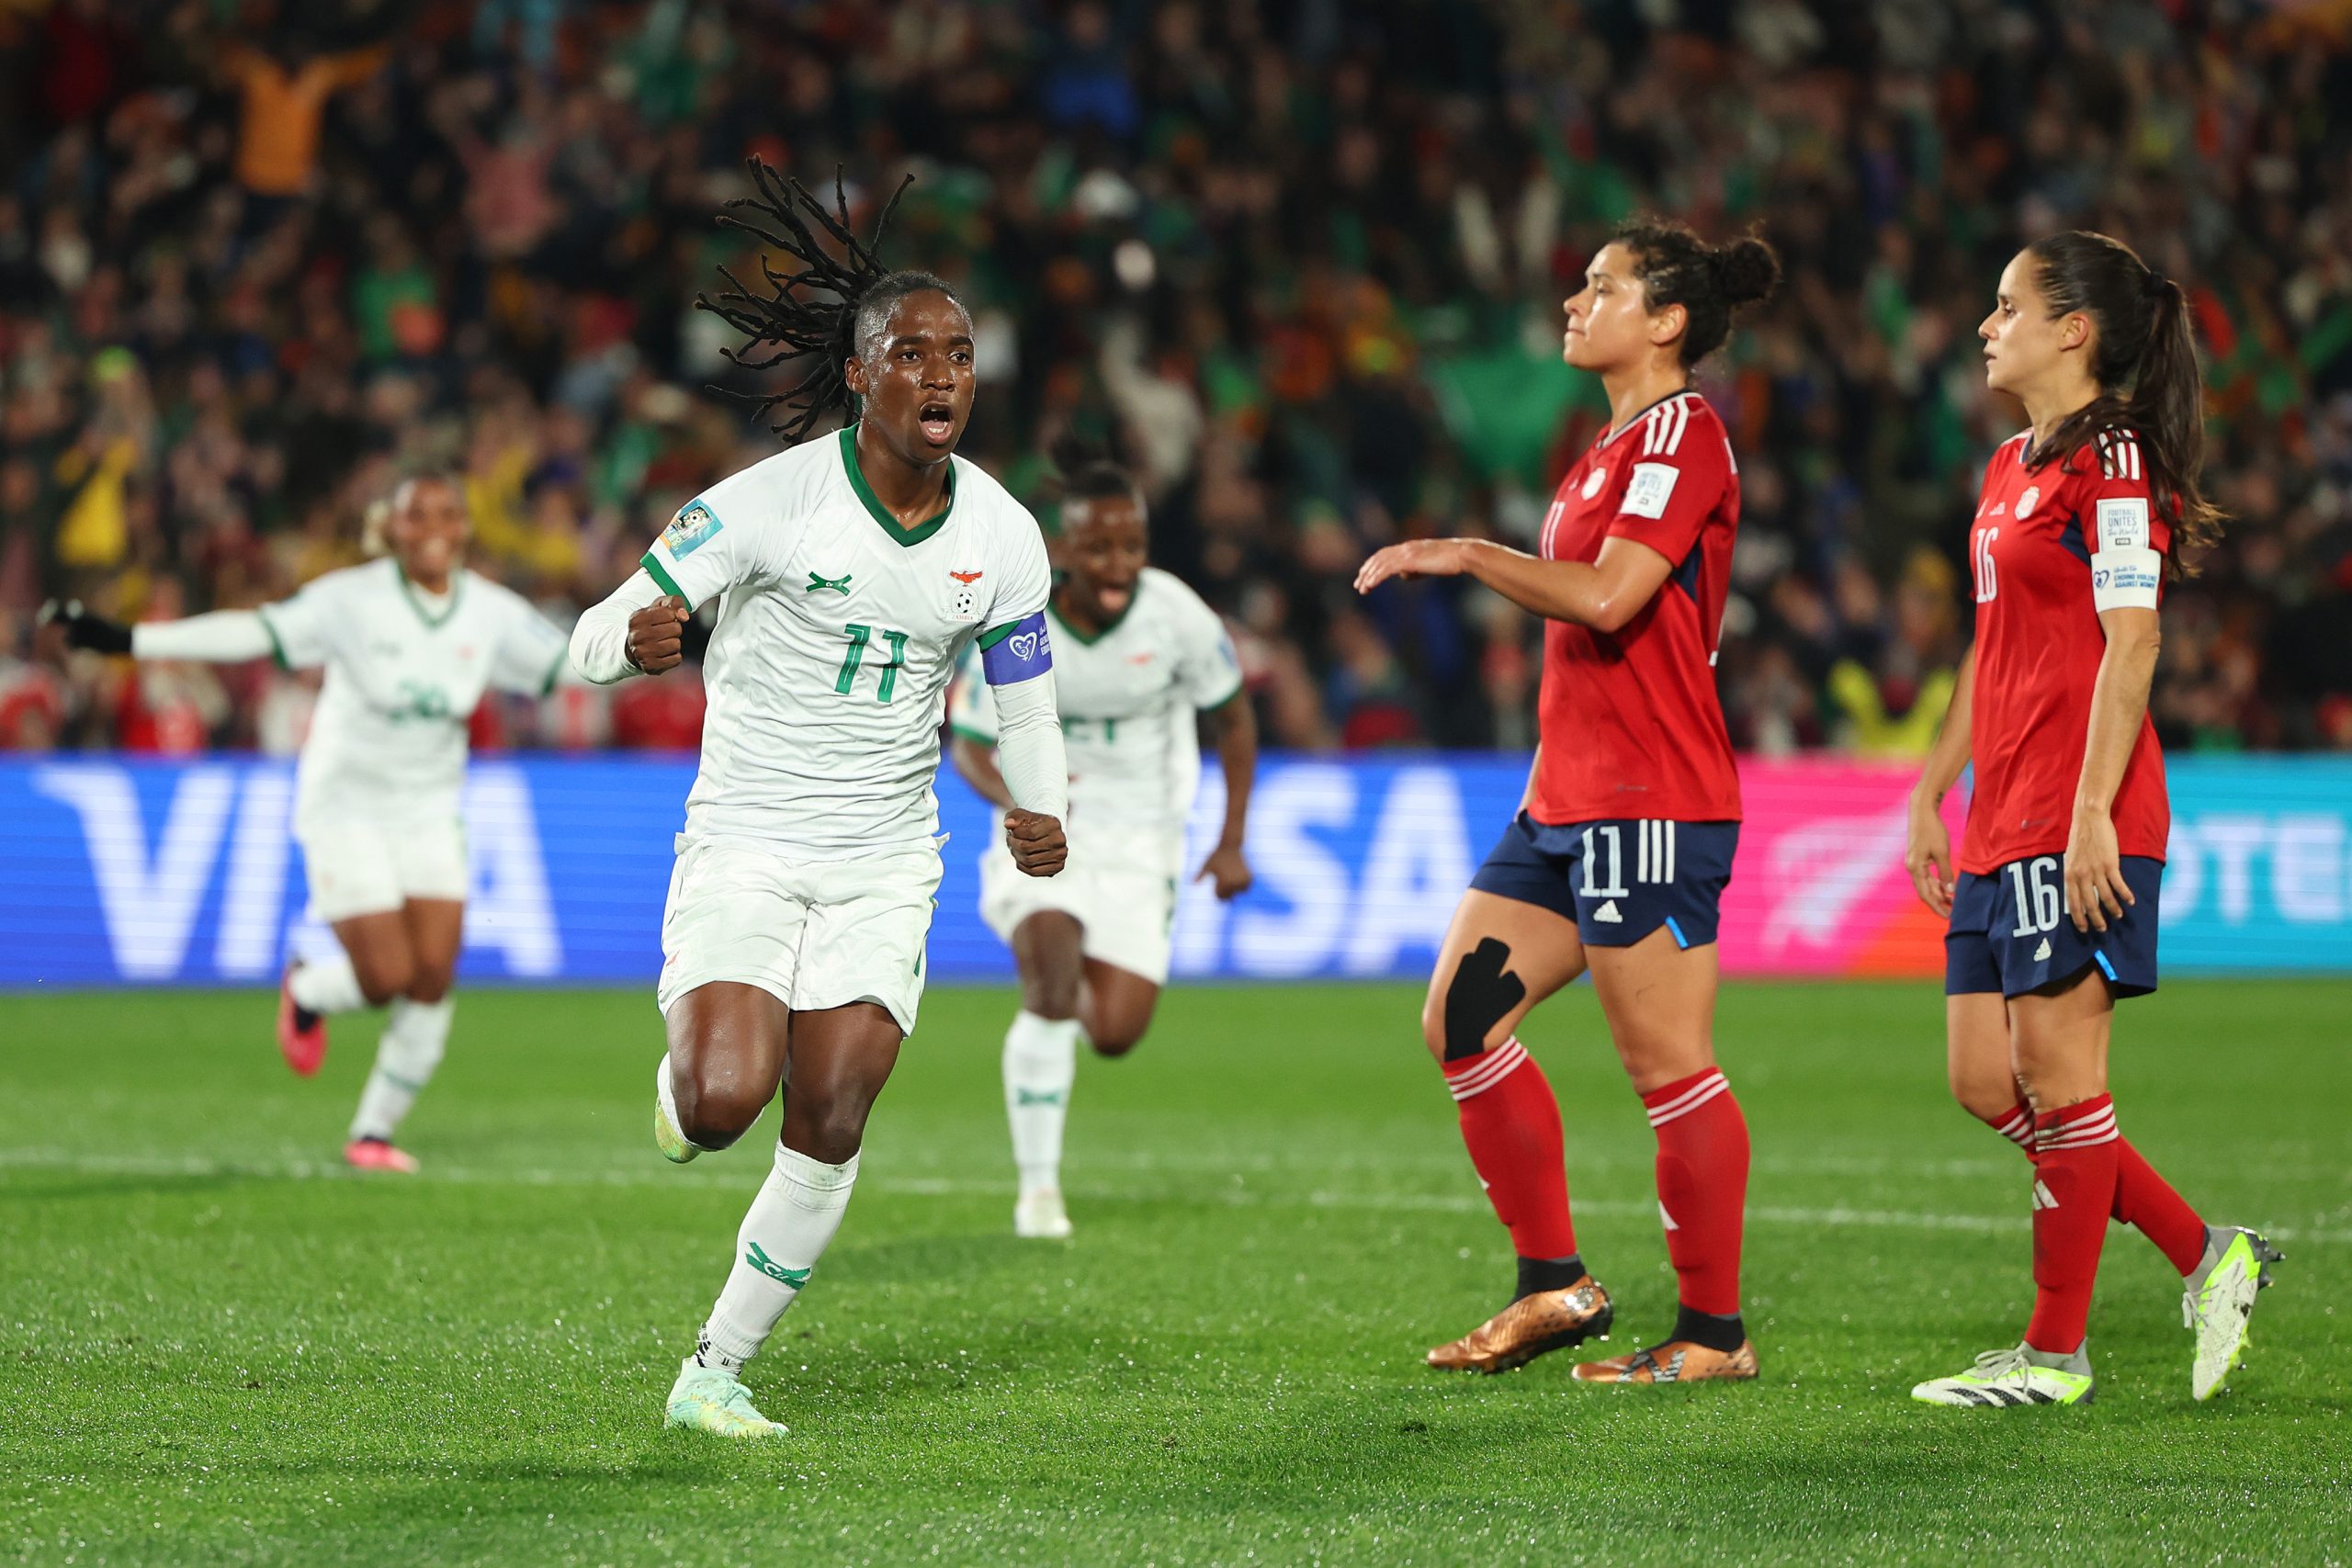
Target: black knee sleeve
1481,992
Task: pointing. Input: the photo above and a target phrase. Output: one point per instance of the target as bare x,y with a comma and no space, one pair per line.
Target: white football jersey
837,633
388,738
1127,700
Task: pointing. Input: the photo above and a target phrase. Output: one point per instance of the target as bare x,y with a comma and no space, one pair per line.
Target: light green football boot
713,1400
2219,1303
2018,1375
666,1137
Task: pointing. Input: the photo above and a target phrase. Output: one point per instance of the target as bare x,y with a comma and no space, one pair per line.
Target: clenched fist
1035,840
656,634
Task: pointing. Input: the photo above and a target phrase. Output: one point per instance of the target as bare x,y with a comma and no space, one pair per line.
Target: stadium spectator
1298,261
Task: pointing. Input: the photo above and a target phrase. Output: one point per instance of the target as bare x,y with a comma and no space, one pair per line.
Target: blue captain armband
1016,651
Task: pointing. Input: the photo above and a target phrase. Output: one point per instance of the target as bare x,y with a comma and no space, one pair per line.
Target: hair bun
1747,269
1073,452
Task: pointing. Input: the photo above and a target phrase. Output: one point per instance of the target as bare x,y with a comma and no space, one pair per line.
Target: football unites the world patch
1648,490
694,527
2123,524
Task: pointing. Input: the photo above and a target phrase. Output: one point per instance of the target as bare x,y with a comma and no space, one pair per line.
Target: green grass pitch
217,1348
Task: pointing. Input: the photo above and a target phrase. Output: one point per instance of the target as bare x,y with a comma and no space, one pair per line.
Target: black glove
86,630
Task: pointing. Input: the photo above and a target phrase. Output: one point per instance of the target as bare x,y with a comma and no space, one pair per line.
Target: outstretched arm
1603,594
223,637
637,630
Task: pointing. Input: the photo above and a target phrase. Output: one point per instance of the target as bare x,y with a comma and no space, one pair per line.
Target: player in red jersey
1617,859
2052,900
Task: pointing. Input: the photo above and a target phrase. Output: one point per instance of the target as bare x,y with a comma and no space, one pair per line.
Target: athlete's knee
715,1107
1117,1036
829,1131
1050,996
1433,1021
383,977
1458,1018
429,982
1983,1092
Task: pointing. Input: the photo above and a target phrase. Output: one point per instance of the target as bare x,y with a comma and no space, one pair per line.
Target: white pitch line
74,1162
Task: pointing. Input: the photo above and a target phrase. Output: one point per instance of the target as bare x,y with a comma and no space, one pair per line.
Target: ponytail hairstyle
1711,282
792,326
375,528
2146,368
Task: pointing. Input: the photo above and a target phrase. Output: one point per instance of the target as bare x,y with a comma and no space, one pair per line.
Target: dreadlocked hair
794,320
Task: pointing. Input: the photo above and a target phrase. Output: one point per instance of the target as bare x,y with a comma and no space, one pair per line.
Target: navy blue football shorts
1619,879
2011,931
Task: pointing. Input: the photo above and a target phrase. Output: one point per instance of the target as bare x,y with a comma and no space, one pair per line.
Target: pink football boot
377,1153
303,1048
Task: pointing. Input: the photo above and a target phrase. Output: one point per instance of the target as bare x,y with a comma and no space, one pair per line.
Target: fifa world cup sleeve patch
694,527
1016,651
1649,490
2127,572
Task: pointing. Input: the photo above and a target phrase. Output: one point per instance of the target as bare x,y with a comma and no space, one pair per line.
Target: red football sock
1701,1186
2146,1201
1511,1123
2016,1124
2143,1200
2073,1191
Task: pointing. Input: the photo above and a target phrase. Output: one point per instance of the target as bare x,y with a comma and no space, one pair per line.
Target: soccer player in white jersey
1137,659
848,573
410,643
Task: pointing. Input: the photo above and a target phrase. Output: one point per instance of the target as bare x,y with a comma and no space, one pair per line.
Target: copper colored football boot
1548,1320
1676,1360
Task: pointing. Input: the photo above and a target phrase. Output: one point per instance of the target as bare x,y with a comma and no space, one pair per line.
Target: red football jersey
1630,724
2051,548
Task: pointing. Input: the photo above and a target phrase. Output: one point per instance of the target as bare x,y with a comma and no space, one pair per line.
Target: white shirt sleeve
224,637
1029,746
724,536
1026,578
302,629
530,652
1208,671
600,641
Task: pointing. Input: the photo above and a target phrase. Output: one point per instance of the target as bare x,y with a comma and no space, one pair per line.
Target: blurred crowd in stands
1300,261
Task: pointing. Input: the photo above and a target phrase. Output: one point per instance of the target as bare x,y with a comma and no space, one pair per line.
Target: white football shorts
1124,900
813,935
370,865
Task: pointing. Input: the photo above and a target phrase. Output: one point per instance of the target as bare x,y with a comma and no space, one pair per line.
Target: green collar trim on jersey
881,514
416,600
1108,627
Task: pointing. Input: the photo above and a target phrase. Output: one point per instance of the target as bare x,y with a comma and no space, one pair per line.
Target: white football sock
1040,1066
327,984
415,1033
787,1230
667,1093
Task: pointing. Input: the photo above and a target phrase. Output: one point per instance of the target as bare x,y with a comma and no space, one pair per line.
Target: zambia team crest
694,527
964,604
